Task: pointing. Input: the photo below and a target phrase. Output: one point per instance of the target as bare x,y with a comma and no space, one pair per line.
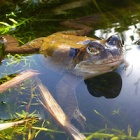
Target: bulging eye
94,48
113,41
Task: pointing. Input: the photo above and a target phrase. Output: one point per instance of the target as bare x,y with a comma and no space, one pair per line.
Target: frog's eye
114,41
94,48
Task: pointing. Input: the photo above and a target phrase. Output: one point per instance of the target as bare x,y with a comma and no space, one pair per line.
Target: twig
57,113
17,80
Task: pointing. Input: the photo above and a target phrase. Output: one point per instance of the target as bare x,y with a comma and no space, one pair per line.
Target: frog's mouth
99,67
88,70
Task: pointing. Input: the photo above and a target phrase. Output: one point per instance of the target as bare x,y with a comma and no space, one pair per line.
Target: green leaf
115,138
99,136
11,19
4,23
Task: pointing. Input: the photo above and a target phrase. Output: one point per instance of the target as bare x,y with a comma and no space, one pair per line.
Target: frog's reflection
108,85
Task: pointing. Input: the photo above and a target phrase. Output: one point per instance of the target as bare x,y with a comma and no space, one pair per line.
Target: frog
74,54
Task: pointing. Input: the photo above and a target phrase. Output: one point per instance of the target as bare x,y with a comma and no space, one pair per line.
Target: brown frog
79,57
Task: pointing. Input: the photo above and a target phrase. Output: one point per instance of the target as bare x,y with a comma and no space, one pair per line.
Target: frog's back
59,40
60,49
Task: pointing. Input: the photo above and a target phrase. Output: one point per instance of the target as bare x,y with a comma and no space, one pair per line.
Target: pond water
118,115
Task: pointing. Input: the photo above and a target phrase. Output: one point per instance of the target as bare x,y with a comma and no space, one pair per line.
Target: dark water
120,113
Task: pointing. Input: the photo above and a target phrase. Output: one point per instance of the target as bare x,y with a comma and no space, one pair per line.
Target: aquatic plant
112,134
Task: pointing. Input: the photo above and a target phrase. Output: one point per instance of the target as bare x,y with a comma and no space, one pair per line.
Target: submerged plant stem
16,123
17,80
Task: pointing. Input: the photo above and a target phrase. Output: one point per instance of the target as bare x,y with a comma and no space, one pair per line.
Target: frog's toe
79,117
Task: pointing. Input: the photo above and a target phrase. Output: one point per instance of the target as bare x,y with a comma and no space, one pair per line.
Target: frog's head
99,56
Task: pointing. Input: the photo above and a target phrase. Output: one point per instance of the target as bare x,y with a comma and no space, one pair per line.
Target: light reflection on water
124,109
129,36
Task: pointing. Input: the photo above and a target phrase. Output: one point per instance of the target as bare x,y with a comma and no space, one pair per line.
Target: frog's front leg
67,98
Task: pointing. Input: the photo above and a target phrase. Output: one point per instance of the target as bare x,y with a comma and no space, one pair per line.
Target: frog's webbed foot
79,117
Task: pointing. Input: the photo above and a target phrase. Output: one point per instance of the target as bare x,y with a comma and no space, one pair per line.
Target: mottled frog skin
79,57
